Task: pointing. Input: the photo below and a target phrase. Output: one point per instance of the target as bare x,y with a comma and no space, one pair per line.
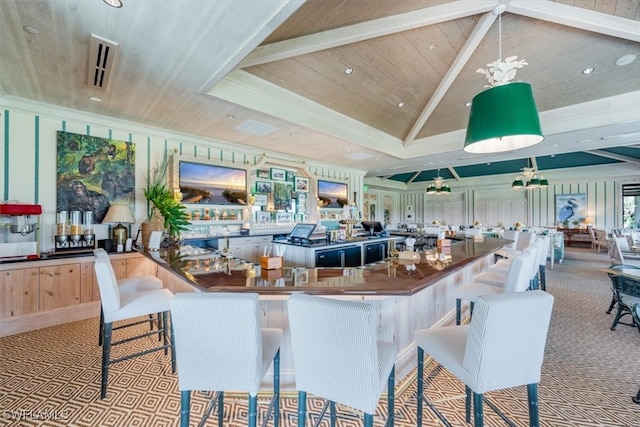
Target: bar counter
406,295
214,272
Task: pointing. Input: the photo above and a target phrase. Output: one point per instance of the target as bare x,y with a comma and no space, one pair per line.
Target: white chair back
472,232
525,240
543,250
520,272
218,341
335,350
107,283
614,251
623,244
511,235
506,341
431,231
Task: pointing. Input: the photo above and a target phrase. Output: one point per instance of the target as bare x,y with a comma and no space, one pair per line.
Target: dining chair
502,347
126,286
626,286
525,239
127,307
338,357
221,346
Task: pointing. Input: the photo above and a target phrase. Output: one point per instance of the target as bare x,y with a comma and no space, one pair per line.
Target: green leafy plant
163,201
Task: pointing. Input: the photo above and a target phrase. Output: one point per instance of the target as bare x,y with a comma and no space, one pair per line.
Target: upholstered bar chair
539,274
127,307
525,239
518,281
502,347
129,286
221,346
511,235
337,356
498,273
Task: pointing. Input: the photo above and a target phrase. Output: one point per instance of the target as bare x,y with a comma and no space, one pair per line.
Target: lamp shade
503,118
118,214
517,184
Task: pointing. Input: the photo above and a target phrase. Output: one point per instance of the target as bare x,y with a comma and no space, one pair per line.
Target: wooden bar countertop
213,272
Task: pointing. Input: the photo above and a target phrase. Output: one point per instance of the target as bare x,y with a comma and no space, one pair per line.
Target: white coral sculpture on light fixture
501,72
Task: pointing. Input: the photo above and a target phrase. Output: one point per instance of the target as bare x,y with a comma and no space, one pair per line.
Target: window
631,205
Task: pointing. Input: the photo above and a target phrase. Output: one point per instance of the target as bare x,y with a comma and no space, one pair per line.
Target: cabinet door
141,266
19,292
119,268
59,286
329,258
352,256
88,283
374,252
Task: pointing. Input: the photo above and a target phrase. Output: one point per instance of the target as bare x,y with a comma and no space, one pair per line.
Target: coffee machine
19,231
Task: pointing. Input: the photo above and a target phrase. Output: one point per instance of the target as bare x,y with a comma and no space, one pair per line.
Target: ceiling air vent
102,55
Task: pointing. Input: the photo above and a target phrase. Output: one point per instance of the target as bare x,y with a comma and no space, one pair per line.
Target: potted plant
166,212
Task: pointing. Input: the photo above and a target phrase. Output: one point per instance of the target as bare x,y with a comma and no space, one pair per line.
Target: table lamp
118,214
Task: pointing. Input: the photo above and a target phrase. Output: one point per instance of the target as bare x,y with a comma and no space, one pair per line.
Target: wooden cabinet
19,292
348,256
247,248
59,286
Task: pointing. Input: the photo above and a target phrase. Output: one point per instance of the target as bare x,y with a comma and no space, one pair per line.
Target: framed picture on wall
300,184
260,199
263,217
284,217
262,174
571,208
290,176
263,187
278,174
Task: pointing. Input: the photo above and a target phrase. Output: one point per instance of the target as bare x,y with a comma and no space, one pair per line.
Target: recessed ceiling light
626,59
400,104
30,30
468,104
96,99
230,116
348,71
588,70
553,155
555,145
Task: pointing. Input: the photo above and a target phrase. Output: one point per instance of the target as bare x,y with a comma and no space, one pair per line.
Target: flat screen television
372,226
332,194
212,184
301,231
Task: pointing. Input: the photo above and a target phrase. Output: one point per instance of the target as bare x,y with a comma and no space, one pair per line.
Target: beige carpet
589,375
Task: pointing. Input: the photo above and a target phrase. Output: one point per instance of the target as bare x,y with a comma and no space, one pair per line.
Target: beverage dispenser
75,231
19,236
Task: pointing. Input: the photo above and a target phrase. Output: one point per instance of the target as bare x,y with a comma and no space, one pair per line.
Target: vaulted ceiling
273,75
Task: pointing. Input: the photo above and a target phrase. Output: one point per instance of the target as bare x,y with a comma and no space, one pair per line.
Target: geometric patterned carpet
51,377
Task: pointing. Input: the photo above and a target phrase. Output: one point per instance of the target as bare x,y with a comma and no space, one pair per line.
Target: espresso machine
19,236
74,231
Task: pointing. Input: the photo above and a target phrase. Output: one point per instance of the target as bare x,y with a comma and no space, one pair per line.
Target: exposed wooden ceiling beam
366,30
454,173
465,53
577,17
534,163
614,156
413,177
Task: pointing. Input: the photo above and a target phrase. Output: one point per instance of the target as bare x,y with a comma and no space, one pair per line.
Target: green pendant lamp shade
503,118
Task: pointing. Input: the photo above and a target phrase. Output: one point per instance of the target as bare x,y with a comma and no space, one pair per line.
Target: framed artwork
571,208
260,199
409,208
93,172
290,176
332,194
212,184
263,217
278,174
262,174
282,195
263,187
284,217
301,184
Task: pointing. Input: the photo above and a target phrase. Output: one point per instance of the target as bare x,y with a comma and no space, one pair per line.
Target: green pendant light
503,117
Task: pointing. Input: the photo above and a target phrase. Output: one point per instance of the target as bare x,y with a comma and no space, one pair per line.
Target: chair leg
637,398
458,310
471,304
185,407
543,277
101,331
302,408
276,389
614,300
391,394
467,404
617,318
420,374
368,420
106,350
173,349
160,323
332,413
253,410
478,414
220,408
164,332
532,392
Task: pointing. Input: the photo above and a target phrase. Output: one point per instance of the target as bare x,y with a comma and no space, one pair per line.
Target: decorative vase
156,223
